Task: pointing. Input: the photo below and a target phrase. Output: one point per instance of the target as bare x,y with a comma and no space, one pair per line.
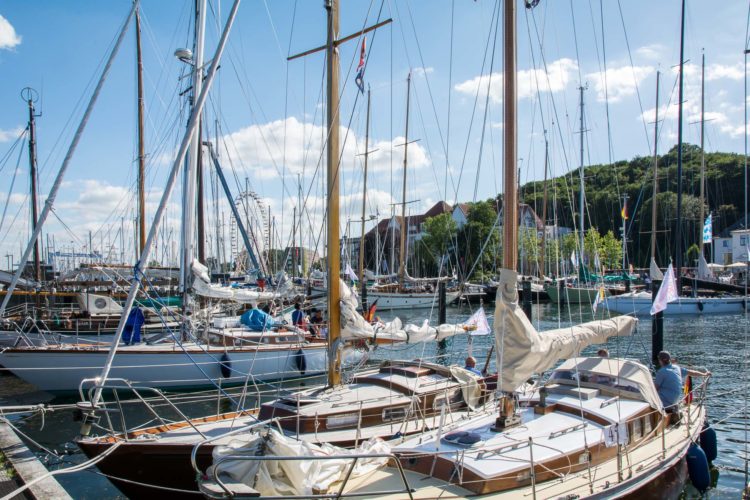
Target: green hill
605,185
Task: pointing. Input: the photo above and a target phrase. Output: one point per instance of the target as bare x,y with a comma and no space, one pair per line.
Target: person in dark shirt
298,317
316,322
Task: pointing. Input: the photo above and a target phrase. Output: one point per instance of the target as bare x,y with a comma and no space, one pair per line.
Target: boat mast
703,152
49,202
544,207
362,281
510,200
581,193
404,234
141,140
333,244
30,97
189,184
678,232
656,173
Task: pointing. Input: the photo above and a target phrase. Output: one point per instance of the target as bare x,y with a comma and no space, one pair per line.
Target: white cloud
10,134
260,149
558,76
8,37
652,52
422,71
619,82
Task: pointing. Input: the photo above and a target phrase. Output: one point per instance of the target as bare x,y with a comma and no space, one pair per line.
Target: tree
439,238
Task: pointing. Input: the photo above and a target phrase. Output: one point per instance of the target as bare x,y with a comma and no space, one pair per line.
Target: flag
573,259
667,292
370,315
654,271
360,78
599,299
350,272
477,324
597,262
624,211
707,230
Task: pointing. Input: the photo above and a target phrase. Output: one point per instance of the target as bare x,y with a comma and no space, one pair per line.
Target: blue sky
269,111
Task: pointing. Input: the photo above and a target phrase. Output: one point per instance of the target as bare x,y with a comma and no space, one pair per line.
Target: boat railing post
532,473
663,441
619,459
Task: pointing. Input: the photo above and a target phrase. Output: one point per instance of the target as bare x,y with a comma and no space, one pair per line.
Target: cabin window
343,420
637,431
454,399
391,414
646,424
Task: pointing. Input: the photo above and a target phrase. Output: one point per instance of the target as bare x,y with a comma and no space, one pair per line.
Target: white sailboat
237,354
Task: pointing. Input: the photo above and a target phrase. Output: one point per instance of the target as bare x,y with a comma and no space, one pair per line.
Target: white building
740,239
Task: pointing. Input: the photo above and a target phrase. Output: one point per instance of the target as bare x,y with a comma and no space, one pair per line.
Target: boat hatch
407,371
584,393
463,438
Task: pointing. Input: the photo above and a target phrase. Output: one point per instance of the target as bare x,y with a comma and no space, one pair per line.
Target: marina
222,325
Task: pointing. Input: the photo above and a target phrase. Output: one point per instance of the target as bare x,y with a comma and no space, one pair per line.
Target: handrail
135,389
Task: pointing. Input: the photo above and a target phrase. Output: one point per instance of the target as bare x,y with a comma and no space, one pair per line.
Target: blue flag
707,230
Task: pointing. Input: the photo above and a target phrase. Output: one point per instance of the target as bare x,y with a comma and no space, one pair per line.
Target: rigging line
575,40
610,147
496,17
6,157
486,111
448,121
635,80
13,182
426,77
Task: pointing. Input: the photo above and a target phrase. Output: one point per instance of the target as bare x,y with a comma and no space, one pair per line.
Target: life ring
225,366
300,362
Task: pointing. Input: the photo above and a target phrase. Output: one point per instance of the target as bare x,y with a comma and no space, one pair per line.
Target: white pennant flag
477,324
350,272
654,271
573,259
667,292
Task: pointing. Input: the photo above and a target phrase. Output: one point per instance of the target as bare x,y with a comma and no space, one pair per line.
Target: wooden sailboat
598,430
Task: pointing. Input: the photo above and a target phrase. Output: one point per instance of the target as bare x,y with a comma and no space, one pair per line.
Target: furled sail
523,351
354,326
202,286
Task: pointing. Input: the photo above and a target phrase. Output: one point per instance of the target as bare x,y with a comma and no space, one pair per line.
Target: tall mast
656,173
544,208
510,201
189,185
703,152
333,243
678,232
404,234
581,193
30,97
362,280
141,140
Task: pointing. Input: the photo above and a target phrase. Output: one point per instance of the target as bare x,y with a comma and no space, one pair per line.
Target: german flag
370,315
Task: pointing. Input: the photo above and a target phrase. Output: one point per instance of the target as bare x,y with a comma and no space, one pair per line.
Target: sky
266,112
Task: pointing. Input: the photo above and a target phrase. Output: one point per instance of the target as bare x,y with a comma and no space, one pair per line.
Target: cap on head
664,357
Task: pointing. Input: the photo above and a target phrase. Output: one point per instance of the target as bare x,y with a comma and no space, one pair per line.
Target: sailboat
218,352
599,429
561,291
639,302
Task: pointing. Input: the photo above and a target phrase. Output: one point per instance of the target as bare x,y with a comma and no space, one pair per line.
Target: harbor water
718,343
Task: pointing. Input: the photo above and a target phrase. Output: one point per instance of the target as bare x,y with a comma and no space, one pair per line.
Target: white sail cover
294,477
354,326
704,272
202,286
523,351
370,276
654,271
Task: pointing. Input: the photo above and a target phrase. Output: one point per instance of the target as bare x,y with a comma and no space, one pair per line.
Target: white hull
394,300
62,369
573,295
640,305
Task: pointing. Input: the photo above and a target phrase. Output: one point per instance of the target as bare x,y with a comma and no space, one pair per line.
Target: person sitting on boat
316,322
471,364
298,317
669,381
